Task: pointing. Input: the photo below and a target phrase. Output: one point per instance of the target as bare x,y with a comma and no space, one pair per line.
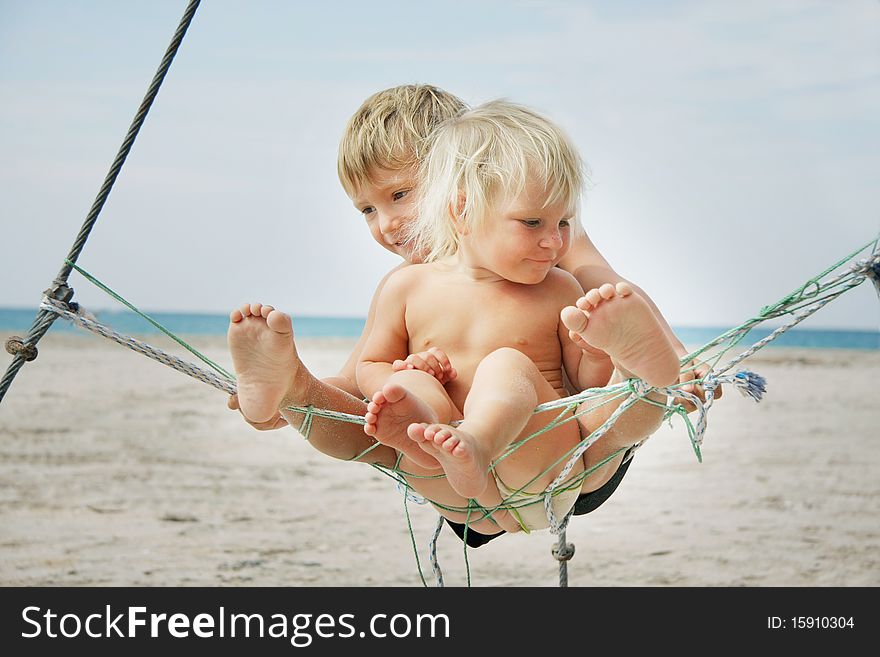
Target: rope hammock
846,274
814,294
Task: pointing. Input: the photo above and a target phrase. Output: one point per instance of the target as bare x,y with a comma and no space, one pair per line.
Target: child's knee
508,358
427,388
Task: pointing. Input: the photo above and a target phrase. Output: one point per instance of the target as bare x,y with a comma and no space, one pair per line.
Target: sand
118,471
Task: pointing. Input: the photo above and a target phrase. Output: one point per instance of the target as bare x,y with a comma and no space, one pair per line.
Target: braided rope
563,552
798,318
81,319
432,553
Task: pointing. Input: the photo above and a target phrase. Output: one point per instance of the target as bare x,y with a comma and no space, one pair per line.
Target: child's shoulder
561,288
404,276
559,279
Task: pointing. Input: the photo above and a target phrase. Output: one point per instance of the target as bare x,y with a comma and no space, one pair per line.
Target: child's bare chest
470,321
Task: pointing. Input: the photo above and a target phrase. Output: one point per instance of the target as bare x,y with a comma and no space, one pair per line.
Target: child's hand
434,361
275,422
694,370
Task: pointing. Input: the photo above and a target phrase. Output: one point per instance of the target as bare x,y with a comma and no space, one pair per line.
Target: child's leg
635,424
506,388
450,504
415,396
271,376
408,396
621,323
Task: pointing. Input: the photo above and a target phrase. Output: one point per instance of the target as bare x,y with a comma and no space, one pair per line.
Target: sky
733,148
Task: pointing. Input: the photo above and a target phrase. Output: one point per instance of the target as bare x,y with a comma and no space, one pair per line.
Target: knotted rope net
713,359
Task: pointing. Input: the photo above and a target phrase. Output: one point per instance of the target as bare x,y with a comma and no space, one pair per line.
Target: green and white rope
80,318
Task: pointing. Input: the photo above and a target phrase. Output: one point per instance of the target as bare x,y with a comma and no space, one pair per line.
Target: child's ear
458,216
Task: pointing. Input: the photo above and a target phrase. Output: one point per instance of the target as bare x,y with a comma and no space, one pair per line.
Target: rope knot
871,269
710,382
18,347
867,266
639,387
564,553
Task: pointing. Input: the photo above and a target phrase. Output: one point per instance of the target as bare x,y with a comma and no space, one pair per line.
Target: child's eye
368,210
565,223
531,223
399,195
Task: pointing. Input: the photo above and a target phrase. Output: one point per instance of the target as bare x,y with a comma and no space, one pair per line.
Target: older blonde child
379,153
474,334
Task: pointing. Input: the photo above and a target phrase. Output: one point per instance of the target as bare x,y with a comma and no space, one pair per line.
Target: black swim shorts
586,502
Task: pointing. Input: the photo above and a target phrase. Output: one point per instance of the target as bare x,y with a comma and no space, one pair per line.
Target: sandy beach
116,471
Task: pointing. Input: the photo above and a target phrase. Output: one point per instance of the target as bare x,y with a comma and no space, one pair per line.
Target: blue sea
18,320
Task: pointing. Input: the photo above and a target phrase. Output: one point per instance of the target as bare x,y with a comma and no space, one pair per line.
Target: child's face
521,239
388,202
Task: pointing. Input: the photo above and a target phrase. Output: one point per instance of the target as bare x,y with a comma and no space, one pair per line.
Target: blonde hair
390,130
483,156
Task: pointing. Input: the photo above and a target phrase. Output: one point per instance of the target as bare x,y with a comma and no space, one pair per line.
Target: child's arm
388,340
346,378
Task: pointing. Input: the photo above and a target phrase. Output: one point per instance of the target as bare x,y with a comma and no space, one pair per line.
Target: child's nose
389,223
553,240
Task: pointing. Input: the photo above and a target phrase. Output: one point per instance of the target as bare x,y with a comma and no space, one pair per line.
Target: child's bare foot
623,325
456,450
388,415
261,342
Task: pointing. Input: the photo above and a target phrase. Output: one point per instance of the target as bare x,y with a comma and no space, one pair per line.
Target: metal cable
59,290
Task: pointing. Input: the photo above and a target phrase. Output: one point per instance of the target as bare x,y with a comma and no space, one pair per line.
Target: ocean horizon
18,320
